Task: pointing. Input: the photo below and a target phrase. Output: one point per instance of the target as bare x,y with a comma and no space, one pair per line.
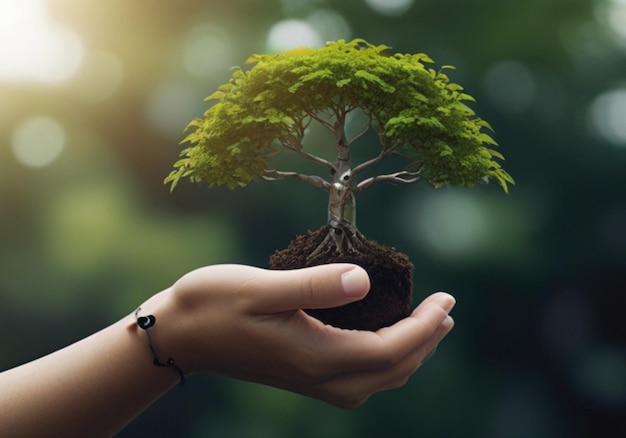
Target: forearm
91,388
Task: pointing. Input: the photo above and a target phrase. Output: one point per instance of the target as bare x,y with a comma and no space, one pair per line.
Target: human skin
232,320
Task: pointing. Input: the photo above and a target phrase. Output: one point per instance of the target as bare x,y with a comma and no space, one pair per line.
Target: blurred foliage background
93,100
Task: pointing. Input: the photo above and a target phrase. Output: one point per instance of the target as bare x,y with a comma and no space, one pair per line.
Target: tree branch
321,121
403,177
315,158
314,180
297,147
385,152
371,162
360,134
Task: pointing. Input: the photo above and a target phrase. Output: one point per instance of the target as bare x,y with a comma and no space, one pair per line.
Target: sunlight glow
32,48
38,141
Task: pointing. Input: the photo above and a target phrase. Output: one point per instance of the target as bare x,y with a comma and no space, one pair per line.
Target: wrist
158,323
145,323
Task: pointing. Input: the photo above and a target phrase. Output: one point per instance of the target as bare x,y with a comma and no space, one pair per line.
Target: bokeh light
607,114
170,106
470,227
315,30
37,141
290,33
450,224
208,51
330,25
391,8
612,14
34,48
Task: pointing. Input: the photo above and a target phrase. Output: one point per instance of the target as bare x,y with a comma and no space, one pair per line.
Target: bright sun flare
32,47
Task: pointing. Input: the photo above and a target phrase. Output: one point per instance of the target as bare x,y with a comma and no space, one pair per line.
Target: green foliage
417,111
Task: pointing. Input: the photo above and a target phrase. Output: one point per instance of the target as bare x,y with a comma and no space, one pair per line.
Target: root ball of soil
390,272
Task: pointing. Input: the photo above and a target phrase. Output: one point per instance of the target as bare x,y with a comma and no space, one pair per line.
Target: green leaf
217,95
372,78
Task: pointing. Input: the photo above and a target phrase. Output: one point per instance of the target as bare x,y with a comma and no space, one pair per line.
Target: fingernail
355,282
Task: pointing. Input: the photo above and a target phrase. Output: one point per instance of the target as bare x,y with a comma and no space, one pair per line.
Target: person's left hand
246,323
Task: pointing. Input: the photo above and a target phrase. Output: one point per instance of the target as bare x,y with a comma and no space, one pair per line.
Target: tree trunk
343,234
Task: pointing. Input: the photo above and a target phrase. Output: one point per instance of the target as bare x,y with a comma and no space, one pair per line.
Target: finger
443,299
418,330
345,350
350,390
415,360
316,287
430,348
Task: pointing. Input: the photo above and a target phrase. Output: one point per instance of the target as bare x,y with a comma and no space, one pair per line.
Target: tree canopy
266,107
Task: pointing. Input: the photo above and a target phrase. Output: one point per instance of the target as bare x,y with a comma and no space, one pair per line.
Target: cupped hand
246,323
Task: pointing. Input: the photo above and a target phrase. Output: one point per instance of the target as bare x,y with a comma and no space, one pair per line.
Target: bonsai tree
416,112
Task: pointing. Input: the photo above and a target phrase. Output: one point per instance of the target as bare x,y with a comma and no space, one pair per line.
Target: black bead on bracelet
145,322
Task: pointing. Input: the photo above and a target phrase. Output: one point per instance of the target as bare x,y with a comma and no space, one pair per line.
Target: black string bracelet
145,322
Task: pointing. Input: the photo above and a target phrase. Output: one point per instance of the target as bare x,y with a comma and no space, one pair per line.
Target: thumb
316,287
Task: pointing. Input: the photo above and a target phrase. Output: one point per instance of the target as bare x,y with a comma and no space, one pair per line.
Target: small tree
416,111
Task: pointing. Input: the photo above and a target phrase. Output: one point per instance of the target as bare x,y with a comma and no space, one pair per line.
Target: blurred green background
93,100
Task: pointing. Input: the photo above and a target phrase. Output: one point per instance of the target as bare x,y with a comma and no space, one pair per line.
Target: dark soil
391,278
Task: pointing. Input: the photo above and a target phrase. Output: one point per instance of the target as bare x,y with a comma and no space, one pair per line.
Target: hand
245,323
